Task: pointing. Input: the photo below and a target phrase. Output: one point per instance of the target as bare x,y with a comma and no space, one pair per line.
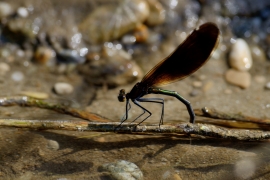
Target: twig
184,128
32,102
231,120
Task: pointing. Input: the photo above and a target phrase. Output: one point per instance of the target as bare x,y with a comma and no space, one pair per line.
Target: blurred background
83,52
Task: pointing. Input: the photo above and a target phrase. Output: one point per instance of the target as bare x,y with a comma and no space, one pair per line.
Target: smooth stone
17,76
122,170
54,145
157,13
63,88
4,68
238,78
197,84
5,9
23,12
267,85
240,56
195,92
43,55
258,53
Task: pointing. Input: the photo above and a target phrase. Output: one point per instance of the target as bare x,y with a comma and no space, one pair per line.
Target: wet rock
20,30
238,78
123,170
54,145
5,9
157,13
110,22
63,88
70,56
114,67
240,56
4,68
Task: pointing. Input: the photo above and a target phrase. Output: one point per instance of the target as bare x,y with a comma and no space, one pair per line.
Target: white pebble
240,56
122,170
238,78
22,11
267,86
4,68
54,145
63,88
17,76
5,9
245,169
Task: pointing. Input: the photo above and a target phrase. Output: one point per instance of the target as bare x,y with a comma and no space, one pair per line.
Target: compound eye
122,95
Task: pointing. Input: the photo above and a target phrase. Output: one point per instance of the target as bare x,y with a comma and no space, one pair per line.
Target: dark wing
186,59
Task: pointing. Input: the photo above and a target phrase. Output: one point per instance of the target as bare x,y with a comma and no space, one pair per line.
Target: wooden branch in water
32,102
216,114
184,128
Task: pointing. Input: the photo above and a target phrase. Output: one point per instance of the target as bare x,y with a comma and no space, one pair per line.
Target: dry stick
183,128
32,102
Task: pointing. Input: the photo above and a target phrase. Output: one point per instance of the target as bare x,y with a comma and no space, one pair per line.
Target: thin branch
32,102
183,128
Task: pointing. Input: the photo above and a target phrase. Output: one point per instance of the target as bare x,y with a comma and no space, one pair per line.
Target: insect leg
137,103
125,117
155,100
180,98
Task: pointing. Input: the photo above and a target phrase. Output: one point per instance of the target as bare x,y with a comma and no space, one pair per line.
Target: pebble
197,84
132,13
63,88
4,68
43,55
122,170
141,33
157,13
5,9
267,86
22,11
194,92
238,78
240,56
17,76
54,145
128,39
258,53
